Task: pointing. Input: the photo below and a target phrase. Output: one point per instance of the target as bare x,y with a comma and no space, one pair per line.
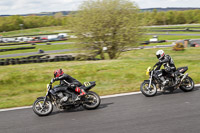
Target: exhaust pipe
184,77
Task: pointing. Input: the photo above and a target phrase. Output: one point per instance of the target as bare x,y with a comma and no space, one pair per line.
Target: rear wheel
148,92
42,110
92,100
187,84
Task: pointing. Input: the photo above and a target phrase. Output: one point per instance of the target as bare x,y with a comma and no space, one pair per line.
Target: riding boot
81,93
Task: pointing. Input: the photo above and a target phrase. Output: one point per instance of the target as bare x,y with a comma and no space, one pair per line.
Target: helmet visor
158,56
55,74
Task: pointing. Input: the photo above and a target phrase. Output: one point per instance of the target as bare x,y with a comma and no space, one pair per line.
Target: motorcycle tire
92,105
145,91
42,111
184,85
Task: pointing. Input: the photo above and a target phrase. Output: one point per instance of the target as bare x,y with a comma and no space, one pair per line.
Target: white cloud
36,6
167,3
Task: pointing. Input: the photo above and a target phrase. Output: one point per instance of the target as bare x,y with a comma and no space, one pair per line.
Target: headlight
47,86
147,73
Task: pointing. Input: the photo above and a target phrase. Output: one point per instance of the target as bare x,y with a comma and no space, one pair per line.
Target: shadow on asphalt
78,109
104,105
175,92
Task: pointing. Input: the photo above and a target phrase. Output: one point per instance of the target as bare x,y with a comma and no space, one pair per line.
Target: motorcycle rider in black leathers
169,67
66,81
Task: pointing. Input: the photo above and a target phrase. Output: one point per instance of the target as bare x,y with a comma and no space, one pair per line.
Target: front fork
45,99
150,80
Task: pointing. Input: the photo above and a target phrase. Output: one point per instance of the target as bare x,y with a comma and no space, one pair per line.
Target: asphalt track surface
165,113
38,44
67,50
35,53
173,34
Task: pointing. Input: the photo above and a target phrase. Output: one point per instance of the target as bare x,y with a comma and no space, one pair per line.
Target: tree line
11,23
104,27
170,17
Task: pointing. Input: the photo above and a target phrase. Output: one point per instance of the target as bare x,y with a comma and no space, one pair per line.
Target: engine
63,97
60,95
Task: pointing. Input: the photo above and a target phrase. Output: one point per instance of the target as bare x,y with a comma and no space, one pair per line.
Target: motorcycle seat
90,84
182,69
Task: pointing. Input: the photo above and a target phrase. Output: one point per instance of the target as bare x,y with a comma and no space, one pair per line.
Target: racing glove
72,86
52,80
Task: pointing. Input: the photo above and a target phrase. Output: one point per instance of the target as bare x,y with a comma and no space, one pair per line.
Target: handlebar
155,65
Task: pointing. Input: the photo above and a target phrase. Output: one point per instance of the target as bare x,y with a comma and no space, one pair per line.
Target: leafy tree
12,22
147,19
196,15
160,18
170,17
58,15
113,24
179,18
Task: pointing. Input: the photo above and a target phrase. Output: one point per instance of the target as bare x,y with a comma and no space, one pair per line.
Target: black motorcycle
43,106
149,87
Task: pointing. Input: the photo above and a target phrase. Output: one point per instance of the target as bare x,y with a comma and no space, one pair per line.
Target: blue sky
13,7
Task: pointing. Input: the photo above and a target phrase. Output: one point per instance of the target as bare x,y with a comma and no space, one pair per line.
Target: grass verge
22,84
172,37
36,31
37,47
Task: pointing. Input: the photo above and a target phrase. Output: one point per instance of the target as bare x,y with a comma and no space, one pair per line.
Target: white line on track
9,109
122,94
102,97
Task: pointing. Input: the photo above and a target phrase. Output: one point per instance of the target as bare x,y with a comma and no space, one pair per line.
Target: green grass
22,84
177,27
37,31
43,47
19,44
172,37
173,32
155,44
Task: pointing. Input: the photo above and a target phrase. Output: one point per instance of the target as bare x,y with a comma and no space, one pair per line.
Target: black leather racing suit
63,85
169,66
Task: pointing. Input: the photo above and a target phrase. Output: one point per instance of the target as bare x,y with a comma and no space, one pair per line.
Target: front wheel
42,110
187,84
92,101
148,92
